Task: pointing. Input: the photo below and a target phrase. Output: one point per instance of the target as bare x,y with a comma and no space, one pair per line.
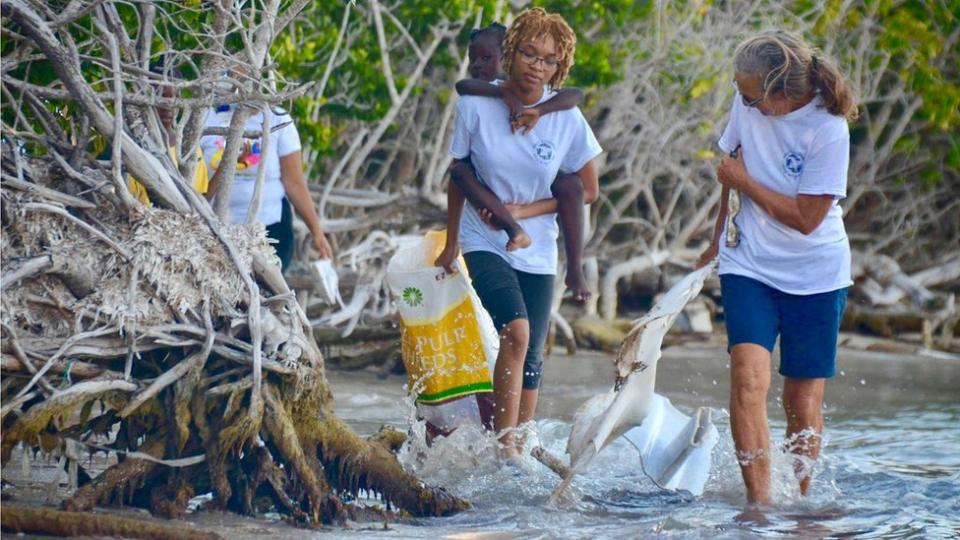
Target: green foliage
598,62
911,43
301,54
913,35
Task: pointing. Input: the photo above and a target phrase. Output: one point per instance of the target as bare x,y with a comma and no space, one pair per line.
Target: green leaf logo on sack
412,296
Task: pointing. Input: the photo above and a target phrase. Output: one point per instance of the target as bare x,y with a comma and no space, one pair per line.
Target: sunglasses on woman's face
746,101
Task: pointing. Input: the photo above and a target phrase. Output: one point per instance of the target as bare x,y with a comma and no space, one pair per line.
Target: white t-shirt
804,152
519,169
284,140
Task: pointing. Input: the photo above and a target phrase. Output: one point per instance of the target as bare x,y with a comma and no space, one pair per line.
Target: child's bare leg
481,197
568,190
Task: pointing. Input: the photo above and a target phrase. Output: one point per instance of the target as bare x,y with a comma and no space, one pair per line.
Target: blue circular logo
793,164
544,151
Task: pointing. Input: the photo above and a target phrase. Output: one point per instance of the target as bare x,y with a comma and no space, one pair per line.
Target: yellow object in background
201,179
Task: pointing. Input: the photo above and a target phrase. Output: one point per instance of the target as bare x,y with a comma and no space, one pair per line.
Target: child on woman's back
485,55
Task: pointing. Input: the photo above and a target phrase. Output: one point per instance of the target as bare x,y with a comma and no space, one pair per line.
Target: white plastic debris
328,283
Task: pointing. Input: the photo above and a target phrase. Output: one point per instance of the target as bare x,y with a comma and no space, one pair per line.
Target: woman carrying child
516,286
485,52
789,274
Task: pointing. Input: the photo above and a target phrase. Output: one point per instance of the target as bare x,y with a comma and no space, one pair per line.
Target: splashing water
888,466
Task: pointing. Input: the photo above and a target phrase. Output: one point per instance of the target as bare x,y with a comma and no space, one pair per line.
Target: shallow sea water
890,467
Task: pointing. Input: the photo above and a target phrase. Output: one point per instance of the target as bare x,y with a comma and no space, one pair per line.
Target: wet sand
692,375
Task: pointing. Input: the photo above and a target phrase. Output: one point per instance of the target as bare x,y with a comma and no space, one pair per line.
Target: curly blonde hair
532,25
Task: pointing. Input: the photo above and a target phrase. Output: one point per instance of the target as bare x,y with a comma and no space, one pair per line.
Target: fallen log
935,327
601,334
350,360
48,521
885,283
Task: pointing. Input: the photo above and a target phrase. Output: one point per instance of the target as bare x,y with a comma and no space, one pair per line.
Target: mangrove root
48,521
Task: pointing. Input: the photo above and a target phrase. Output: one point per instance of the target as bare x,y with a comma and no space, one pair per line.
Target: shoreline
690,374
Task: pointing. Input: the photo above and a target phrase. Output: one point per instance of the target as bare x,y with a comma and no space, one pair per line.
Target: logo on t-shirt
249,156
544,151
793,164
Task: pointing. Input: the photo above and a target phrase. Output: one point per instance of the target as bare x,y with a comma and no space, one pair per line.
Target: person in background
166,115
284,182
790,272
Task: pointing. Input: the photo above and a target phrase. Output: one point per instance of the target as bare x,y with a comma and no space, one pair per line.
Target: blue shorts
807,324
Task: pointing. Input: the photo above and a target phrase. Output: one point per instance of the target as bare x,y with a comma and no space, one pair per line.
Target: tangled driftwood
658,125
160,335
154,354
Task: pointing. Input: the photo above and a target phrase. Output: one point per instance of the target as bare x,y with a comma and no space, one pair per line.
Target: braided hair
533,24
495,30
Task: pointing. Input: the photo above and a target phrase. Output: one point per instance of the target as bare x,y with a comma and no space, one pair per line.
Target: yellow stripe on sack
446,355
451,305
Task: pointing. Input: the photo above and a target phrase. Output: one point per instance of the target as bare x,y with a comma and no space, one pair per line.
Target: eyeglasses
743,97
531,59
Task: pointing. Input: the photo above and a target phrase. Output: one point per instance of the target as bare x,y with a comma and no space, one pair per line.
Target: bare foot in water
518,240
753,514
577,284
517,462
514,460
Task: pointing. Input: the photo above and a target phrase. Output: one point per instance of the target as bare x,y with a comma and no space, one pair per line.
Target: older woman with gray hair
788,272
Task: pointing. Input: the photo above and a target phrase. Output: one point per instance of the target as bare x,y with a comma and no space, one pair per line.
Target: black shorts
509,294
282,232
